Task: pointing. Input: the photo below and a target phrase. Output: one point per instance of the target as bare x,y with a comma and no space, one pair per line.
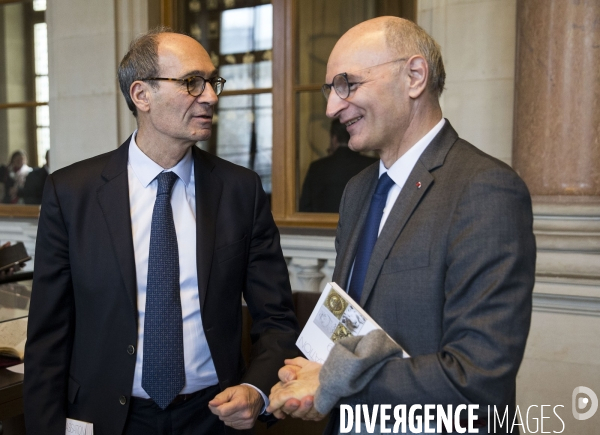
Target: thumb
298,361
223,397
287,373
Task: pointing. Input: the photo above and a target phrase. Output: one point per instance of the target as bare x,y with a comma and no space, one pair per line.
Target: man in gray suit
449,271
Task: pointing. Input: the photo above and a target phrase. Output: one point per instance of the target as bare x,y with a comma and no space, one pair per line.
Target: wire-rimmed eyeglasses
342,85
195,84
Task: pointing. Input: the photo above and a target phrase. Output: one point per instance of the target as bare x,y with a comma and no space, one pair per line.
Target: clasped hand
238,407
294,394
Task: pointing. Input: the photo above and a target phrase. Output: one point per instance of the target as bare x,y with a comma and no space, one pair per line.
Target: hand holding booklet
335,316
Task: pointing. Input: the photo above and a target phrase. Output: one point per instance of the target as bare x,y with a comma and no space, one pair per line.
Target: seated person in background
14,178
31,193
327,177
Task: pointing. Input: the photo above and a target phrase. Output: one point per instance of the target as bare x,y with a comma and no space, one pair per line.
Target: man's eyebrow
203,74
354,76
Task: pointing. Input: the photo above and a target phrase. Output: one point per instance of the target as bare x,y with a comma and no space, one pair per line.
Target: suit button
130,349
122,400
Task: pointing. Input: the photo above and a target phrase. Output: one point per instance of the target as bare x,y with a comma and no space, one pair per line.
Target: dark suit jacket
327,177
83,315
450,277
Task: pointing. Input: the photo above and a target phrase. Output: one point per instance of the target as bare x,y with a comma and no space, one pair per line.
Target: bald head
387,74
394,38
145,54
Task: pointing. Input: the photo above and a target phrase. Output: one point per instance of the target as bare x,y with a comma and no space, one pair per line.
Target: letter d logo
580,403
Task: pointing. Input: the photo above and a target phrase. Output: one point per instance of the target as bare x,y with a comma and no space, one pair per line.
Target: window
273,54
238,35
24,115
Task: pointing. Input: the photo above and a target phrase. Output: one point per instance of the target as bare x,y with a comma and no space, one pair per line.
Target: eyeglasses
341,84
195,84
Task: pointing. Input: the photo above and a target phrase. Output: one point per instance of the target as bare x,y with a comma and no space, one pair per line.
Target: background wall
478,47
86,41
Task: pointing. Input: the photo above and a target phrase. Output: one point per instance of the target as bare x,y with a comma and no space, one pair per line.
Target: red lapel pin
418,184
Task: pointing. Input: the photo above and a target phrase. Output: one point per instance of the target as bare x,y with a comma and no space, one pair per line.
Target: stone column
556,147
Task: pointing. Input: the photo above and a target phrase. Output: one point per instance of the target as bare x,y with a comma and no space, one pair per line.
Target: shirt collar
402,167
146,169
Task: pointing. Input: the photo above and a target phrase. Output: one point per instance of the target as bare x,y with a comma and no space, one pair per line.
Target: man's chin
202,135
357,145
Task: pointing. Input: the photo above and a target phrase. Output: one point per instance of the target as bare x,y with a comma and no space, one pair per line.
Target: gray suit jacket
450,278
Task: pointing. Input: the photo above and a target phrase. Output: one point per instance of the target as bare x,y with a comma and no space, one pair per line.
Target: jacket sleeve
50,325
269,298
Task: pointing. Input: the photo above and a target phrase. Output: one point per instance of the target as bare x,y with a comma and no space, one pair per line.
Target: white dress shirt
402,168
142,172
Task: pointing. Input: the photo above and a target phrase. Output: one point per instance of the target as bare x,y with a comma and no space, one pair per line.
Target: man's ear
140,95
418,71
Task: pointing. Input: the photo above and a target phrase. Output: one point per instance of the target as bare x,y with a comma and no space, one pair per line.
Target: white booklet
76,427
335,316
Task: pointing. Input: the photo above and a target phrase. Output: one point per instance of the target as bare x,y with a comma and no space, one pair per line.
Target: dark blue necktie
163,370
368,236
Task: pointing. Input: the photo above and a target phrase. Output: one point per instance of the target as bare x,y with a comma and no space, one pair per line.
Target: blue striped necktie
368,236
163,369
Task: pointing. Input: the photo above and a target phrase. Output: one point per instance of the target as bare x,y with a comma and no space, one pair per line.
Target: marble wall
82,65
86,40
478,47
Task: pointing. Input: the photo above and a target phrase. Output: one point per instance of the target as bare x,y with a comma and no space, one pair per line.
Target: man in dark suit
136,310
448,270
327,177
34,184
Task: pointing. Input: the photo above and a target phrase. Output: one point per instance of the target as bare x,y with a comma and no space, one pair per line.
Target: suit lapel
113,197
348,250
406,203
208,195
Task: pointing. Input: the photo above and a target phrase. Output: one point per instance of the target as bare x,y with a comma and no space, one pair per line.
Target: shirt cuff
265,399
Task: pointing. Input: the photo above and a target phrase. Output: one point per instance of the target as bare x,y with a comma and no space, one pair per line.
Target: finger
287,373
314,415
290,406
241,419
240,424
298,361
279,414
221,398
228,409
278,386
277,399
303,407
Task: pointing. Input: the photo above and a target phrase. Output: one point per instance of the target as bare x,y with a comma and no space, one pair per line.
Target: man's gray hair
406,37
140,62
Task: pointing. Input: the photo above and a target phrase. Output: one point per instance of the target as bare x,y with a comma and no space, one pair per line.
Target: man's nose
208,95
334,104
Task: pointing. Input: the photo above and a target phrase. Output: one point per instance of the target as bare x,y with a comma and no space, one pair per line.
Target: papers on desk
335,316
19,368
13,335
76,427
